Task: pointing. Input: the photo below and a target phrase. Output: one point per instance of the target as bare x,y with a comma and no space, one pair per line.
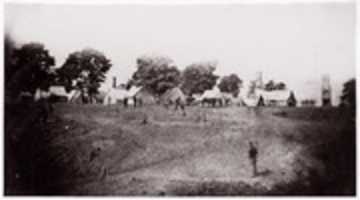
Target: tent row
258,97
141,95
58,94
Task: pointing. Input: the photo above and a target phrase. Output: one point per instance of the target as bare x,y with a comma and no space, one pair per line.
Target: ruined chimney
114,82
259,80
326,90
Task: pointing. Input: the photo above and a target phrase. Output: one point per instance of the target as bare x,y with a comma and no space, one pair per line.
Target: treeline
32,66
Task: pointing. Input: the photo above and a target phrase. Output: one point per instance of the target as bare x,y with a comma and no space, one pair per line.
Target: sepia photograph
180,99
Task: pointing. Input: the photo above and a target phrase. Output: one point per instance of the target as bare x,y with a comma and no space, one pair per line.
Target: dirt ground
110,150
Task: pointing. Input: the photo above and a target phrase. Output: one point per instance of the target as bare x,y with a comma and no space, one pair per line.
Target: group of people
137,102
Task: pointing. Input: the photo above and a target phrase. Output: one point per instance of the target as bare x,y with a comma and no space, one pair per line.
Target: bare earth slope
203,153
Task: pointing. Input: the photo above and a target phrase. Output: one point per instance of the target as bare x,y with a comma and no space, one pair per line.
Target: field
98,150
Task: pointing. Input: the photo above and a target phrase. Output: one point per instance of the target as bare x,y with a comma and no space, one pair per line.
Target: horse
212,101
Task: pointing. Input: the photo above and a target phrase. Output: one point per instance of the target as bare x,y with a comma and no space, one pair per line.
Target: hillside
97,150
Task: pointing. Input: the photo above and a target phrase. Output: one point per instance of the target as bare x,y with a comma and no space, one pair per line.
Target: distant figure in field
145,119
137,102
95,153
253,153
134,100
103,172
42,97
46,108
126,102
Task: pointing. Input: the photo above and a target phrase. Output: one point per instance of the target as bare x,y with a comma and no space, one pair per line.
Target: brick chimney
114,82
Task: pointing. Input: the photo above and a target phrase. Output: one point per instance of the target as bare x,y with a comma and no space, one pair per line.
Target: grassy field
302,151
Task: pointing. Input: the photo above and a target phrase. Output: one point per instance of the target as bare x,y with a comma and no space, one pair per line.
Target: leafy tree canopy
272,85
199,77
27,68
348,97
230,84
156,73
84,70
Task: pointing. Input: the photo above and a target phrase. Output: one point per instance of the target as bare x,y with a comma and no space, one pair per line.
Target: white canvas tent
145,96
238,101
274,98
115,95
250,101
41,94
58,91
197,97
173,94
271,98
229,98
76,97
213,93
133,90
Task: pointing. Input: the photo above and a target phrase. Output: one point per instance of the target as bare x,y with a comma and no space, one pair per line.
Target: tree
272,85
9,47
280,86
230,84
348,97
157,74
27,68
84,70
199,77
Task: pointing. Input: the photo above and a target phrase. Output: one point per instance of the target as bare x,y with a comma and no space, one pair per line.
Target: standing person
126,102
253,153
44,103
134,99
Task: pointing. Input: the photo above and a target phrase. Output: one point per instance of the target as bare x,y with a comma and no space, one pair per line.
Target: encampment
213,93
212,97
274,98
171,95
115,95
145,97
269,98
54,93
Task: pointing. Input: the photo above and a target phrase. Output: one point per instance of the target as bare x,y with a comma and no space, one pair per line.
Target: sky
296,43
